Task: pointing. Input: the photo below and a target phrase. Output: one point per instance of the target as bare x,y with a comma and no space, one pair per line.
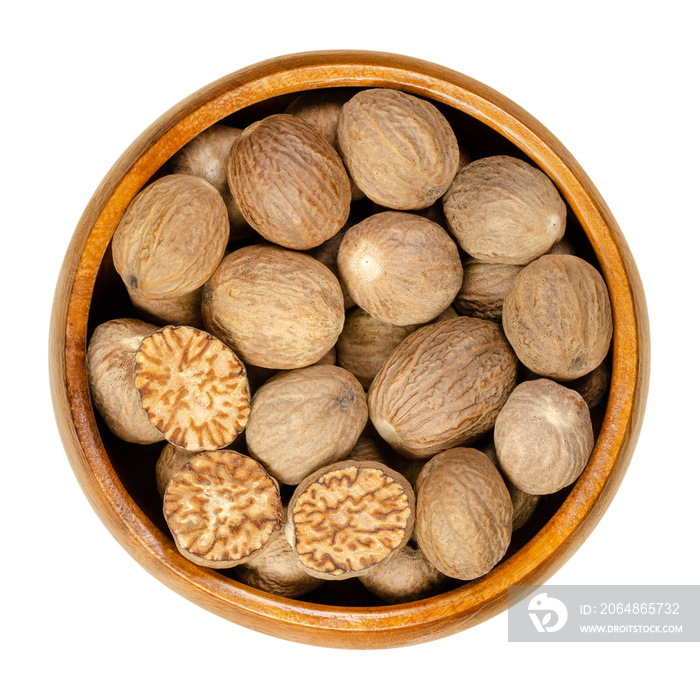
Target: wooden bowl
118,477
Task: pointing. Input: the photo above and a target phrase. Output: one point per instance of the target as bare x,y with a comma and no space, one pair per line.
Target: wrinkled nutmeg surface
289,182
407,576
222,508
401,268
399,148
365,342
110,369
275,308
484,288
501,209
171,237
464,514
443,385
558,318
304,419
206,156
543,436
348,517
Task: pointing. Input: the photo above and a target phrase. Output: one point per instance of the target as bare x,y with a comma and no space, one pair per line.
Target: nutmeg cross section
348,517
193,388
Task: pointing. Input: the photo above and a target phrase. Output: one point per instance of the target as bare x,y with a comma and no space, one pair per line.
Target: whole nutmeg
483,289
401,268
365,342
222,508
193,388
276,569
289,182
206,156
558,318
464,515
327,253
168,244
275,308
321,109
348,517
110,370
304,419
406,577
170,460
501,209
543,436
442,386
399,148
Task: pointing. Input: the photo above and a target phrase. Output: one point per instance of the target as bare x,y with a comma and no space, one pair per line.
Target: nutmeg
275,308
304,419
167,245
222,508
289,182
206,156
442,386
399,148
501,209
401,268
464,514
348,517
365,342
110,370
483,289
543,436
193,388
558,318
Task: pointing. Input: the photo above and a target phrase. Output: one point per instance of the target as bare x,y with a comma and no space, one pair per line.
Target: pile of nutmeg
367,354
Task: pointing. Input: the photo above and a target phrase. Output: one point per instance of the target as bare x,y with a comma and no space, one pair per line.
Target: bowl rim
325,625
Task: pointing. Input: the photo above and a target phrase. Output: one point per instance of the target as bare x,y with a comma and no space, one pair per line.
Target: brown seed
365,342
193,388
276,308
464,514
110,368
348,517
407,576
304,419
401,268
276,569
399,148
206,156
501,209
543,436
443,385
222,508
558,318
171,459
484,287
168,243
289,182
327,253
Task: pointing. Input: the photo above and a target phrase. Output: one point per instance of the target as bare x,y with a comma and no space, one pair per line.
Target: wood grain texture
311,623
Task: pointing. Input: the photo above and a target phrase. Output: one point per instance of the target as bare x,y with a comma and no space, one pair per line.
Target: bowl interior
119,478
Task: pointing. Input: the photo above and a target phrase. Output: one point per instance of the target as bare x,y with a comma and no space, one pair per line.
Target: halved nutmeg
222,508
348,517
193,387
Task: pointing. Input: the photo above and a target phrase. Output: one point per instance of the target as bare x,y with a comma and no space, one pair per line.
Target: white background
617,83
